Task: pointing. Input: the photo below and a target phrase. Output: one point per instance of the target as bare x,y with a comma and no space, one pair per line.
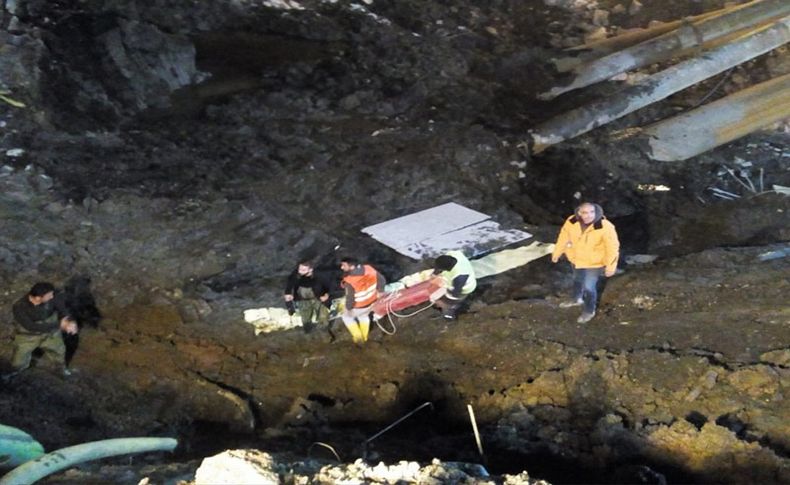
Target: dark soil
179,158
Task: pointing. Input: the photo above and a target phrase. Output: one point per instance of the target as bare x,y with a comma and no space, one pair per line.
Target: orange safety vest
364,286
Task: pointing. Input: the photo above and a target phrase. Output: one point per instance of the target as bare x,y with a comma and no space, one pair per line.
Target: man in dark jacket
310,291
40,319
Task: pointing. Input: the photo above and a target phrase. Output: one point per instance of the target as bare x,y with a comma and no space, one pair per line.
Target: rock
193,310
151,63
644,302
600,18
597,34
757,381
303,412
43,182
19,63
709,380
350,102
685,444
640,258
777,357
693,395
237,467
635,7
619,9
386,394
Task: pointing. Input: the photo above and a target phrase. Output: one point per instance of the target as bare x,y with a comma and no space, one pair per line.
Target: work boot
585,317
571,303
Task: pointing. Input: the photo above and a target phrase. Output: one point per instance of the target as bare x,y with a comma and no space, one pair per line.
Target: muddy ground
182,157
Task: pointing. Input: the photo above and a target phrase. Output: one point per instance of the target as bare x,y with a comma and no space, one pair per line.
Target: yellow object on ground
505,260
357,321
11,101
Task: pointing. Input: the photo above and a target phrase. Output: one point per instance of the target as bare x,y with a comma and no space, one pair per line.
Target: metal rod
762,187
329,447
732,173
367,441
721,193
477,433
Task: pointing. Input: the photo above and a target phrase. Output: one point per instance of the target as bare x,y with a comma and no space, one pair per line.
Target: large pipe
627,39
599,48
17,447
720,122
659,86
687,36
63,458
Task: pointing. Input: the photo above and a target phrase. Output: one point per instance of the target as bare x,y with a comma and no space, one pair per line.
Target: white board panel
410,229
473,241
432,232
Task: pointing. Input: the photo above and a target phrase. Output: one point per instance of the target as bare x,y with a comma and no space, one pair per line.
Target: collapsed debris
727,119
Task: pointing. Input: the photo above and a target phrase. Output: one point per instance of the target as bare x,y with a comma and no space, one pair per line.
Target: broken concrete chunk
640,258
600,18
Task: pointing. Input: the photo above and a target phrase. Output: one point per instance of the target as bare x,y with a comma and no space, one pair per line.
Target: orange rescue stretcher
401,299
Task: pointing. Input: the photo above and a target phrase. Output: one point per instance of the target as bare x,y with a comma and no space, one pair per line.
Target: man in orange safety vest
362,284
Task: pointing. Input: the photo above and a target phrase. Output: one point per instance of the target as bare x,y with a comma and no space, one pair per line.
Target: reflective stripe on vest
364,287
462,267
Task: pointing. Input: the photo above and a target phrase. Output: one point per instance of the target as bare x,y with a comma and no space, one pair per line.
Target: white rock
640,258
597,34
644,302
600,17
15,152
237,467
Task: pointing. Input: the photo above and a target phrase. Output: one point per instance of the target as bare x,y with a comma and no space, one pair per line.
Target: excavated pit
186,205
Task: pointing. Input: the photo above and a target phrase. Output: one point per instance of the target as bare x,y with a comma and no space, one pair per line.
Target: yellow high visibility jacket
462,267
595,247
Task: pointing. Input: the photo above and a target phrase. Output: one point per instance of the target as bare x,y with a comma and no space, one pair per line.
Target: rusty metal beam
632,37
687,37
599,48
720,122
659,86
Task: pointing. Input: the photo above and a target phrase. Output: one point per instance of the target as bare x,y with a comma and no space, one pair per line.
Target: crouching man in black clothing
39,319
310,291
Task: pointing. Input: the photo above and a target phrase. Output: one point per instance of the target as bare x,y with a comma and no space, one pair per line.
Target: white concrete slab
403,231
432,232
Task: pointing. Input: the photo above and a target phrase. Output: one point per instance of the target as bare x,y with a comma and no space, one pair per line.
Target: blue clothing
585,286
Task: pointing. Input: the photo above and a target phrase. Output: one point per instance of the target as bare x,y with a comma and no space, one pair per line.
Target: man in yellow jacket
457,277
590,243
